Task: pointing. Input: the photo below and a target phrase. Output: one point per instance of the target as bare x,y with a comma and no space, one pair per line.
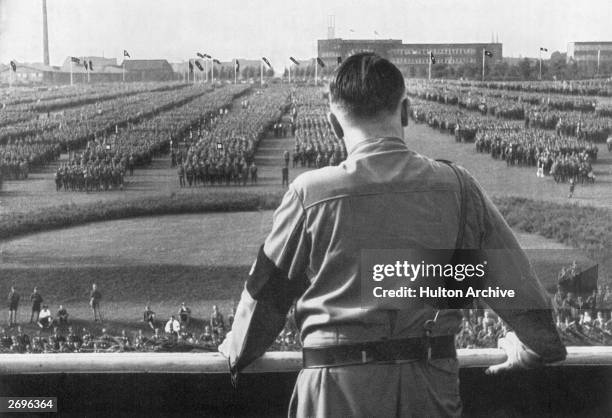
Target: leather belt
384,351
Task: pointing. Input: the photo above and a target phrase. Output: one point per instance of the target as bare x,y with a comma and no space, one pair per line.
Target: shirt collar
376,145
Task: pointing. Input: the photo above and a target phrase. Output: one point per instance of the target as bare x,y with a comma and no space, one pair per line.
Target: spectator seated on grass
45,320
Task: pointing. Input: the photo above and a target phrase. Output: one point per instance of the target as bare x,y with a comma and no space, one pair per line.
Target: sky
177,29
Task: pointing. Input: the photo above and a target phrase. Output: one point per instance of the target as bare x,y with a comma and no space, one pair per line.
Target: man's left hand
519,355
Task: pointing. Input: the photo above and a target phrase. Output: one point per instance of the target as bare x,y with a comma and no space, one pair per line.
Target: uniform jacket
383,196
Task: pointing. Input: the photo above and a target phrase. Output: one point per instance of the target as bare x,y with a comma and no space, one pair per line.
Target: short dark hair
366,85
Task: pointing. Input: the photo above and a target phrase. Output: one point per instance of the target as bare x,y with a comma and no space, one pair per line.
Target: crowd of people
561,144
41,140
104,162
594,87
562,158
582,117
221,150
179,332
315,144
581,320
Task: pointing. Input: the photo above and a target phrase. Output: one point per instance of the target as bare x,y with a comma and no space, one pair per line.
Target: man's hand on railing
518,355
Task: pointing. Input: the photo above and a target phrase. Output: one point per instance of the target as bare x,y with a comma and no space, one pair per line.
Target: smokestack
45,34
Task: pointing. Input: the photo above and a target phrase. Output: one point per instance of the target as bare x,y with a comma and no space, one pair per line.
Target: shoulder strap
463,204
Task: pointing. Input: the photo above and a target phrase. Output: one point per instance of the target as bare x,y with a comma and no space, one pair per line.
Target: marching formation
221,152
315,144
557,134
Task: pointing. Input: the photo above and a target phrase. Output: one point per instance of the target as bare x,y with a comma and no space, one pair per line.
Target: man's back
382,197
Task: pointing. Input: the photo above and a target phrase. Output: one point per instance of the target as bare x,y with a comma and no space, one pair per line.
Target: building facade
592,57
412,59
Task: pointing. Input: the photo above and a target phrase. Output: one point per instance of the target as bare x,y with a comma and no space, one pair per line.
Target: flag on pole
190,66
85,65
296,62
90,66
339,60
320,62
237,66
197,64
216,61
488,53
543,49
75,60
582,283
200,55
264,59
14,66
126,54
432,57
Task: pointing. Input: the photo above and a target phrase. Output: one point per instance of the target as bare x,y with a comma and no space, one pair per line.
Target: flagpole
483,64
213,71
235,72
540,64
71,71
123,67
316,71
429,65
598,58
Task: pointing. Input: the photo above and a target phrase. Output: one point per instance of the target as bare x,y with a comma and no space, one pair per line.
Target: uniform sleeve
276,279
529,313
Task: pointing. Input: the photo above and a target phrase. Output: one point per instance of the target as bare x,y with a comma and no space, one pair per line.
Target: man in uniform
184,314
368,359
149,317
45,320
13,301
36,300
62,316
94,302
181,175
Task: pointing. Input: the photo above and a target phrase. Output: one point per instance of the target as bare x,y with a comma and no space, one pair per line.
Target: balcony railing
211,363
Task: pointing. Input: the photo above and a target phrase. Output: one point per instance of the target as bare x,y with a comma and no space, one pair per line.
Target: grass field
203,259
198,259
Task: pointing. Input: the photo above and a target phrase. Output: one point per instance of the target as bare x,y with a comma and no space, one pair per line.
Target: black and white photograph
321,208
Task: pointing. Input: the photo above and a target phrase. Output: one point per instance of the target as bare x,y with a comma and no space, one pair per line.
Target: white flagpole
429,65
213,72
123,67
483,63
598,58
540,64
71,71
235,72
